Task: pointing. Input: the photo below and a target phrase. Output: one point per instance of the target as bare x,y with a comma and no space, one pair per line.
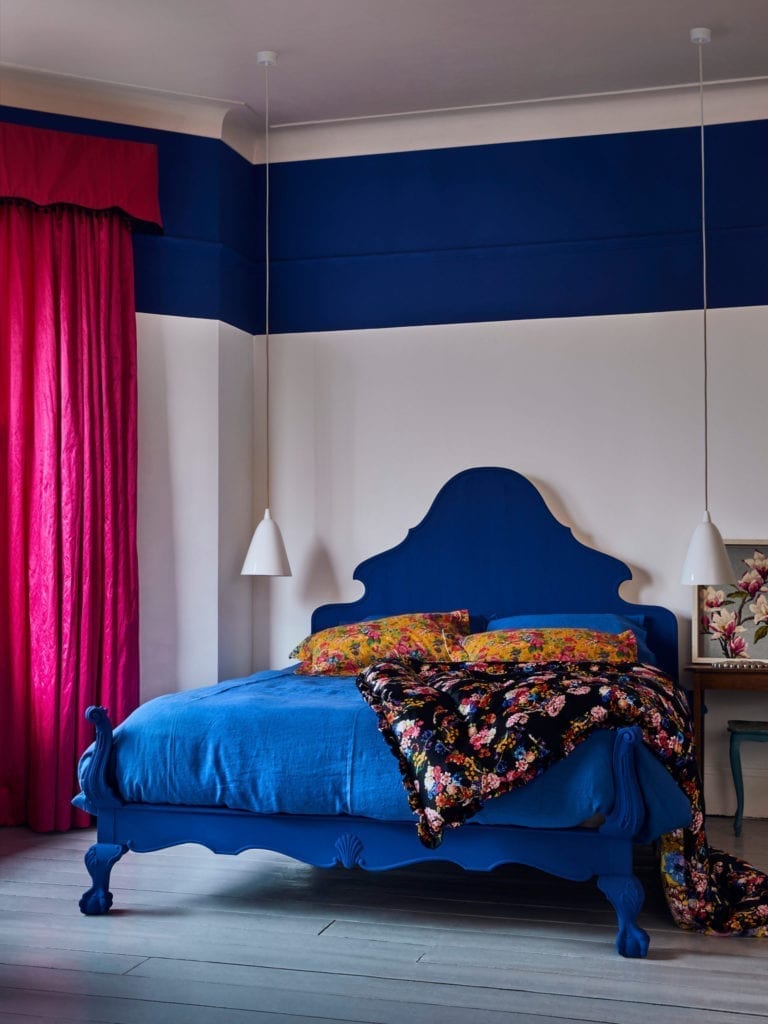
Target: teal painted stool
743,732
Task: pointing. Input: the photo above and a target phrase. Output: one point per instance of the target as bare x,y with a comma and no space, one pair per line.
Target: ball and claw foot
632,942
626,896
95,902
99,860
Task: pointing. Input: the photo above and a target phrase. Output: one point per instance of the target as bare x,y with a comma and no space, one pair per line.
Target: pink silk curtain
68,568
68,565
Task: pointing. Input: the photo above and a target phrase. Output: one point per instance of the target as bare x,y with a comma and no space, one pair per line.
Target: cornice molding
241,128
647,110
232,122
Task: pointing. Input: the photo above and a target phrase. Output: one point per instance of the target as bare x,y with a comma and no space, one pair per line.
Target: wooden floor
204,939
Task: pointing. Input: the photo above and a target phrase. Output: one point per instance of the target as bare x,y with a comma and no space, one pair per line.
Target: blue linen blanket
278,743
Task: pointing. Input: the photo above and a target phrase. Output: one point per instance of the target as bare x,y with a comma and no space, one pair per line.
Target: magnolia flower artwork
733,619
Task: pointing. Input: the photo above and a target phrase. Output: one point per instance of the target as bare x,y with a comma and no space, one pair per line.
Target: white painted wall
235,492
604,414
195,501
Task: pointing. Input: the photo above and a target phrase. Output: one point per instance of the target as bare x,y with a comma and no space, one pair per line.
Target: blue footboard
579,854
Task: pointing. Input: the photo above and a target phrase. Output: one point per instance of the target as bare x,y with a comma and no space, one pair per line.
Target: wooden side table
708,676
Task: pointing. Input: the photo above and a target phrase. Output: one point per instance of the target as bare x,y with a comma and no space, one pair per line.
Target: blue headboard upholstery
490,544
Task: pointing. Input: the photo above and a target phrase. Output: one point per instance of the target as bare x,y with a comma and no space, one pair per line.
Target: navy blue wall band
559,227
523,193
179,277
520,193
515,283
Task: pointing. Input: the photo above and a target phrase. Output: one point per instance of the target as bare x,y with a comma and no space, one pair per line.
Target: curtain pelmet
49,168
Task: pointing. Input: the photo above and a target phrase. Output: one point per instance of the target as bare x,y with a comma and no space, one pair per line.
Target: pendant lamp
266,554
707,561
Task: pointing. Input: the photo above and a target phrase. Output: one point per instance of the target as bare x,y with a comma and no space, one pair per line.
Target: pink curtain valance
48,167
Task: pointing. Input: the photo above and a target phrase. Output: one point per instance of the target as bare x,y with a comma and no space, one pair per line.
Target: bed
488,544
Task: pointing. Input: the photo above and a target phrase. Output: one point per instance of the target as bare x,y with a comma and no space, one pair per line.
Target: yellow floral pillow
346,650
540,645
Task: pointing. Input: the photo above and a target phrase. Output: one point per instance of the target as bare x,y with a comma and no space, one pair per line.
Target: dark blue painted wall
562,227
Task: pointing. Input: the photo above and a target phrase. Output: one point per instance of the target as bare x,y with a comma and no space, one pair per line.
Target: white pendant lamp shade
707,561
266,554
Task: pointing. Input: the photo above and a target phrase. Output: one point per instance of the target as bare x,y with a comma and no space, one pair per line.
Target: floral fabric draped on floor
464,733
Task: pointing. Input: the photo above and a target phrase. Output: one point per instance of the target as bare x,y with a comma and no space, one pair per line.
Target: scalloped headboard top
490,544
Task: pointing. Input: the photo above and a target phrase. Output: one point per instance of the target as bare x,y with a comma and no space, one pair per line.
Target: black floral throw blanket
463,733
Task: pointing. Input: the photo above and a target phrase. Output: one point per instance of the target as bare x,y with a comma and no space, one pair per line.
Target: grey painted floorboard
201,939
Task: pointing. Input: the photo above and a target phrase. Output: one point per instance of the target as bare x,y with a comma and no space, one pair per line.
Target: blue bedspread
278,743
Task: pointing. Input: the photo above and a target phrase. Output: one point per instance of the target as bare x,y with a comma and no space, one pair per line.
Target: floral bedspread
463,733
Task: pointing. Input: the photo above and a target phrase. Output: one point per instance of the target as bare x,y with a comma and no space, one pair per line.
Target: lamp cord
704,279
266,258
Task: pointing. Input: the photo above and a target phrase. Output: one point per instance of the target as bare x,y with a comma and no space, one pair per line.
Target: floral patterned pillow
346,650
540,645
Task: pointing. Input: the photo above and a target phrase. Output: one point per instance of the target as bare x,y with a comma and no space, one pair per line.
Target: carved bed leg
626,895
99,860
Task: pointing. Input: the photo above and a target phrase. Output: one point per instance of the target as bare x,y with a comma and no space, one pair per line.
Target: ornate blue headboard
490,544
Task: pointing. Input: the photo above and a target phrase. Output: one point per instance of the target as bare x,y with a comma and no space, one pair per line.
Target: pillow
477,623
606,622
541,645
346,650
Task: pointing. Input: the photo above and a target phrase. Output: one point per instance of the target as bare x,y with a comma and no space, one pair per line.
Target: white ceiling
341,59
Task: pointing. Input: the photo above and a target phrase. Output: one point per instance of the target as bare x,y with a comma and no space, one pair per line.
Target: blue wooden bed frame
489,544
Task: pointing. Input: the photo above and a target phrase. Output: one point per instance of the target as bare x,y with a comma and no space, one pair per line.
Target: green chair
743,732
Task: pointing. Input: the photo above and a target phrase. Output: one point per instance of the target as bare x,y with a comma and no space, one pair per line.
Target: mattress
280,743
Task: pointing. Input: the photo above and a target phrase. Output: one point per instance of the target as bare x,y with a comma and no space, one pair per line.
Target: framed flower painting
730,620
